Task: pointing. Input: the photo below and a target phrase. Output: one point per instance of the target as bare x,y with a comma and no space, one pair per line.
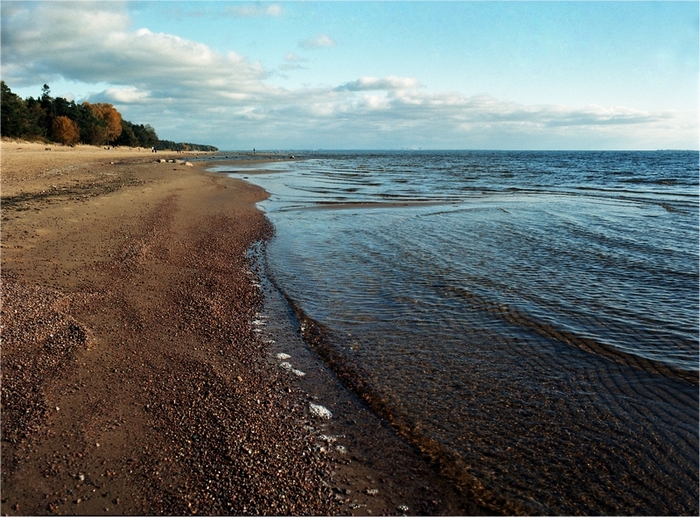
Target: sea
530,317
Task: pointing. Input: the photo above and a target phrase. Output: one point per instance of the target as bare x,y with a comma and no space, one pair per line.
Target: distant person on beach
253,150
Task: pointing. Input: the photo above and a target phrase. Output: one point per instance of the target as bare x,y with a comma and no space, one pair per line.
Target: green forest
55,119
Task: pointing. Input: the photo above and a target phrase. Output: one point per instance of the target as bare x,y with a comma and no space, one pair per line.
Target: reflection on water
534,314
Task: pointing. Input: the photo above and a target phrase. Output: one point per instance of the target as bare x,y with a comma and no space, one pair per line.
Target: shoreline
444,377
133,378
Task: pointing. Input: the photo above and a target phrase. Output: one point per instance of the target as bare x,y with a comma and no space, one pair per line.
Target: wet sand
133,378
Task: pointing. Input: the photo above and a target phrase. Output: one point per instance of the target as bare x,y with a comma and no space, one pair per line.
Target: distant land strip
55,119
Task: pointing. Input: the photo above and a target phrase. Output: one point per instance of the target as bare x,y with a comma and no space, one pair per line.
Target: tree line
56,119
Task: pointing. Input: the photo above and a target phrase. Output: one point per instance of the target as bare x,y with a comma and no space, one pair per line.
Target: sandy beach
133,381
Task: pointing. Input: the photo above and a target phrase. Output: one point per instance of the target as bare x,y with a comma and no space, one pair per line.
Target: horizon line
324,149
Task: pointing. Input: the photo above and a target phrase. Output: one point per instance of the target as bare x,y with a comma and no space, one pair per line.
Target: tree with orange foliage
111,119
65,131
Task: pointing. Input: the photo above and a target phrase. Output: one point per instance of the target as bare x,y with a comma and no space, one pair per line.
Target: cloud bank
384,83
189,91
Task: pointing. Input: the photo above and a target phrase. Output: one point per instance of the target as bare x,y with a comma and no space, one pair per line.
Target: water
529,318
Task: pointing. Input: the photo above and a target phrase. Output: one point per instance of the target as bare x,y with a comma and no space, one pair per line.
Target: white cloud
375,102
128,95
293,58
385,83
189,91
293,62
255,10
320,41
91,42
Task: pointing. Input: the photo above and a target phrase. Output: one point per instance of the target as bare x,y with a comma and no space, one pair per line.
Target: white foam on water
283,357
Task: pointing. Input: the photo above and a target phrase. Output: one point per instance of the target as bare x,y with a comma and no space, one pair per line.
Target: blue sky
281,75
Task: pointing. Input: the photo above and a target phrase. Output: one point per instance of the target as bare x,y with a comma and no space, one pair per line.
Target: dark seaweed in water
539,326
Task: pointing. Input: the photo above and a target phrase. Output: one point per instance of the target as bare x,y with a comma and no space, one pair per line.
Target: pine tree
14,113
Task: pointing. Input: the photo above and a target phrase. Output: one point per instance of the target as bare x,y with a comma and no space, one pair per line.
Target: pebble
200,308
320,411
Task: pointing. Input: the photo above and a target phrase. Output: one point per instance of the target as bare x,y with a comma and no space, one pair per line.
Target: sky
371,75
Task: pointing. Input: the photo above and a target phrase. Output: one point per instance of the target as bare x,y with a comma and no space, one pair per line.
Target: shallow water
531,318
